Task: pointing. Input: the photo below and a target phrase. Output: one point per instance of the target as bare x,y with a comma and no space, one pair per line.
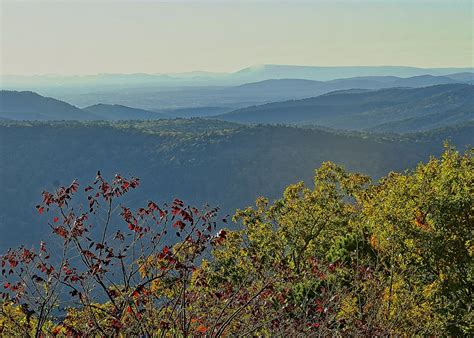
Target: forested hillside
203,161
394,109
28,105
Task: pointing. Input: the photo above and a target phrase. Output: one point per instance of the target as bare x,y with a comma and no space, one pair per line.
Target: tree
422,224
105,281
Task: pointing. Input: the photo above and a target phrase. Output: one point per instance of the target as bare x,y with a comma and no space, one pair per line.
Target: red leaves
59,198
179,224
73,187
27,255
78,228
127,215
67,270
116,324
201,329
45,269
135,228
13,262
88,254
48,198
93,255
139,291
222,234
152,206
56,330
187,216
61,231
178,202
220,237
175,210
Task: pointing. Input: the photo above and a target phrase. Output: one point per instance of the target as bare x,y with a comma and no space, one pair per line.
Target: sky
109,36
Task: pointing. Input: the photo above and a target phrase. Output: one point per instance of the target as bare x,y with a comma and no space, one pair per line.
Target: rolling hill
467,77
156,92
119,112
199,98
419,108
264,72
28,105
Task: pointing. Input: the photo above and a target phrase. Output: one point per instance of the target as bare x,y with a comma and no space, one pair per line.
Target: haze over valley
371,124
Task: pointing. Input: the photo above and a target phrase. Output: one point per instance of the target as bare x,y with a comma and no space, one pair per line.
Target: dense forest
202,161
401,110
341,256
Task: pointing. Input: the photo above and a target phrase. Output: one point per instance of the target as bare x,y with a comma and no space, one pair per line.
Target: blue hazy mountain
300,88
467,77
407,109
250,74
227,98
119,112
330,73
28,105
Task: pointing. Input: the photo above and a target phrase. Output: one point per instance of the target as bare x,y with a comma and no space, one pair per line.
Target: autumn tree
101,276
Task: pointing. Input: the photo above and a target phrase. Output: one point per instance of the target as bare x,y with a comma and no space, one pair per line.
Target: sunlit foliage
345,257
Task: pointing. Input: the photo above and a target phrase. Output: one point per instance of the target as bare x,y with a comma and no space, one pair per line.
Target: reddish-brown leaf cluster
89,263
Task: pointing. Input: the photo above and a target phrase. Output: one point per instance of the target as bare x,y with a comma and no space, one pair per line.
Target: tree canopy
345,257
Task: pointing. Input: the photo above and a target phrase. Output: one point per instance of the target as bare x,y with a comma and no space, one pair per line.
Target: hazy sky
85,37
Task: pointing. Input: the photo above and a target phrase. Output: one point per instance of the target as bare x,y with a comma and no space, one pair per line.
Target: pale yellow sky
86,37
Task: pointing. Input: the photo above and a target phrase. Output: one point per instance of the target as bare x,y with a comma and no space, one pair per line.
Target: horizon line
224,72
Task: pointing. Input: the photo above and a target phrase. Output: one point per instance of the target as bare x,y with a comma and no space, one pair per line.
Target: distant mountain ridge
427,107
393,109
249,74
331,73
120,112
27,105
247,94
300,88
